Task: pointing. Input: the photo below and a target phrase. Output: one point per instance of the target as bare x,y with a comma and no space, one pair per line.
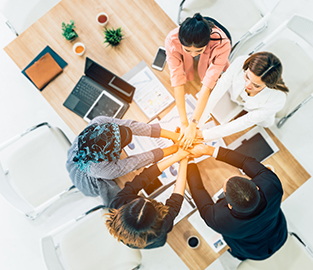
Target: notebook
54,55
43,71
99,81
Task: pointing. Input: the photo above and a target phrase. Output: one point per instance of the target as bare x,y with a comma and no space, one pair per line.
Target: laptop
99,92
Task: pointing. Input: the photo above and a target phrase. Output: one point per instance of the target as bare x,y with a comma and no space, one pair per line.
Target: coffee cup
102,18
79,48
193,241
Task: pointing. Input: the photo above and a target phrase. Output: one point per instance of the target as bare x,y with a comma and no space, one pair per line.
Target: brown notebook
43,71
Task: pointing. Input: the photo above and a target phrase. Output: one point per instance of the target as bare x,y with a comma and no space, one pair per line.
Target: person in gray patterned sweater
93,160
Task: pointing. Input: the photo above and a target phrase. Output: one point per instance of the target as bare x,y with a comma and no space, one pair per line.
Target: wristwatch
194,121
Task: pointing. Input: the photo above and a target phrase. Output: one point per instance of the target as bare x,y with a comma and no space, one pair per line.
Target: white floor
22,106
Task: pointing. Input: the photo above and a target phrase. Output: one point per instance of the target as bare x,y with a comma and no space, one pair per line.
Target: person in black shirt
249,217
141,222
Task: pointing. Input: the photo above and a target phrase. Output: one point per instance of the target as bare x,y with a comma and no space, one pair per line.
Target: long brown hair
135,221
267,66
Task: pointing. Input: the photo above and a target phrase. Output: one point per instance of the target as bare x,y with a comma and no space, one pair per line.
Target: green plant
113,36
68,30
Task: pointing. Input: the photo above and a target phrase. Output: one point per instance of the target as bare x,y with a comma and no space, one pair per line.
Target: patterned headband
98,143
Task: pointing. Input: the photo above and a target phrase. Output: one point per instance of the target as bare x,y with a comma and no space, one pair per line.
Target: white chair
243,19
85,243
21,14
294,254
292,43
32,169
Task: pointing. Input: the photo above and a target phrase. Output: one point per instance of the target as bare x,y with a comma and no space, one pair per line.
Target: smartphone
159,59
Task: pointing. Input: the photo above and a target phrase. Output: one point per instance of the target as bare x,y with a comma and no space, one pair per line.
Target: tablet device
106,105
152,187
256,147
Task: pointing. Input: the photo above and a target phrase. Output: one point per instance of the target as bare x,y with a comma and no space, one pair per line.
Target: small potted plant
113,36
68,31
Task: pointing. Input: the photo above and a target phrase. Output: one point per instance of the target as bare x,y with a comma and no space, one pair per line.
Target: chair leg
180,8
284,119
137,267
11,27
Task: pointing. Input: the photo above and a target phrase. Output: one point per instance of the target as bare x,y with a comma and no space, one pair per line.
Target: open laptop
99,92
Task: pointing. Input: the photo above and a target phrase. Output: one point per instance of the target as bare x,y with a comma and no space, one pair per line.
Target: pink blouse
212,61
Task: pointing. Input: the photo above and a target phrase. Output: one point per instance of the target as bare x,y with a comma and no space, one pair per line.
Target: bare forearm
181,178
201,103
180,103
162,165
170,150
169,135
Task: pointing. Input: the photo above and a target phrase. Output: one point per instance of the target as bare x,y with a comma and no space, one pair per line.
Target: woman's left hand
187,136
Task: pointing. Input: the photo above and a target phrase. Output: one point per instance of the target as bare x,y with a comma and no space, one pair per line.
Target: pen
161,190
189,200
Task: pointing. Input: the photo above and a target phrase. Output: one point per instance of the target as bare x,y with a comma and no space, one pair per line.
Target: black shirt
257,235
129,193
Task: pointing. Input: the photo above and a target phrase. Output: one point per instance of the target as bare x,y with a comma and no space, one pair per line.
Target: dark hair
267,66
242,194
196,31
135,221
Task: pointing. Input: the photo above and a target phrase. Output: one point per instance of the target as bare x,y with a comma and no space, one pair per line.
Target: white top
261,108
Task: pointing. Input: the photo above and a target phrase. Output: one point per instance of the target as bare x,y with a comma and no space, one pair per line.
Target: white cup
79,48
102,18
193,241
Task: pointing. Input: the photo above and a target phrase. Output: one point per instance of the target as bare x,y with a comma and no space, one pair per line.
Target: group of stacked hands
249,216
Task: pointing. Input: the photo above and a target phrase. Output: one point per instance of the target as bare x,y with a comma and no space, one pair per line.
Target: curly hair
98,143
135,221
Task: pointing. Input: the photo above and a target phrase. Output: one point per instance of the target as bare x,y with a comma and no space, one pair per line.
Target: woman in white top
254,82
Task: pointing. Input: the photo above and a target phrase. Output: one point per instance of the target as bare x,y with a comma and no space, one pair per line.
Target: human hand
199,150
182,153
187,136
197,141
199,134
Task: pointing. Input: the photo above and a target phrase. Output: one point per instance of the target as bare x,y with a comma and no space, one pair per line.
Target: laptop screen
109,80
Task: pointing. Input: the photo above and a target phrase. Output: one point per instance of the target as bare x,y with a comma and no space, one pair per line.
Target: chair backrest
87,244
226,12
33,169
292,255
21,13
296,36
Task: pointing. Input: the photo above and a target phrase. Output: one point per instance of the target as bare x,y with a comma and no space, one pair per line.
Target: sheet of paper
214,239
151,95
186,208
171,120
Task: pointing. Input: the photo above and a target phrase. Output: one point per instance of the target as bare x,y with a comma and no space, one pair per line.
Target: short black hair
242,194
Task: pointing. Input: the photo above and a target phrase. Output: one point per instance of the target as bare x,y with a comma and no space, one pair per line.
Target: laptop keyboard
86,92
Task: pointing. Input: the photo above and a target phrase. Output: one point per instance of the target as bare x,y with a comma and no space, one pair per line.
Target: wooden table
145,26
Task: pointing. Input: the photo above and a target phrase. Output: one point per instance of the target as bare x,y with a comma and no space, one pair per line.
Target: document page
151,96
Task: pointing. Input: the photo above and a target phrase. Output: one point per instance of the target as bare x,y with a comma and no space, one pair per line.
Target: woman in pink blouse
197,39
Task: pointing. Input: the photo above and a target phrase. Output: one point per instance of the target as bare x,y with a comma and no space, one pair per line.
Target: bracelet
194,121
